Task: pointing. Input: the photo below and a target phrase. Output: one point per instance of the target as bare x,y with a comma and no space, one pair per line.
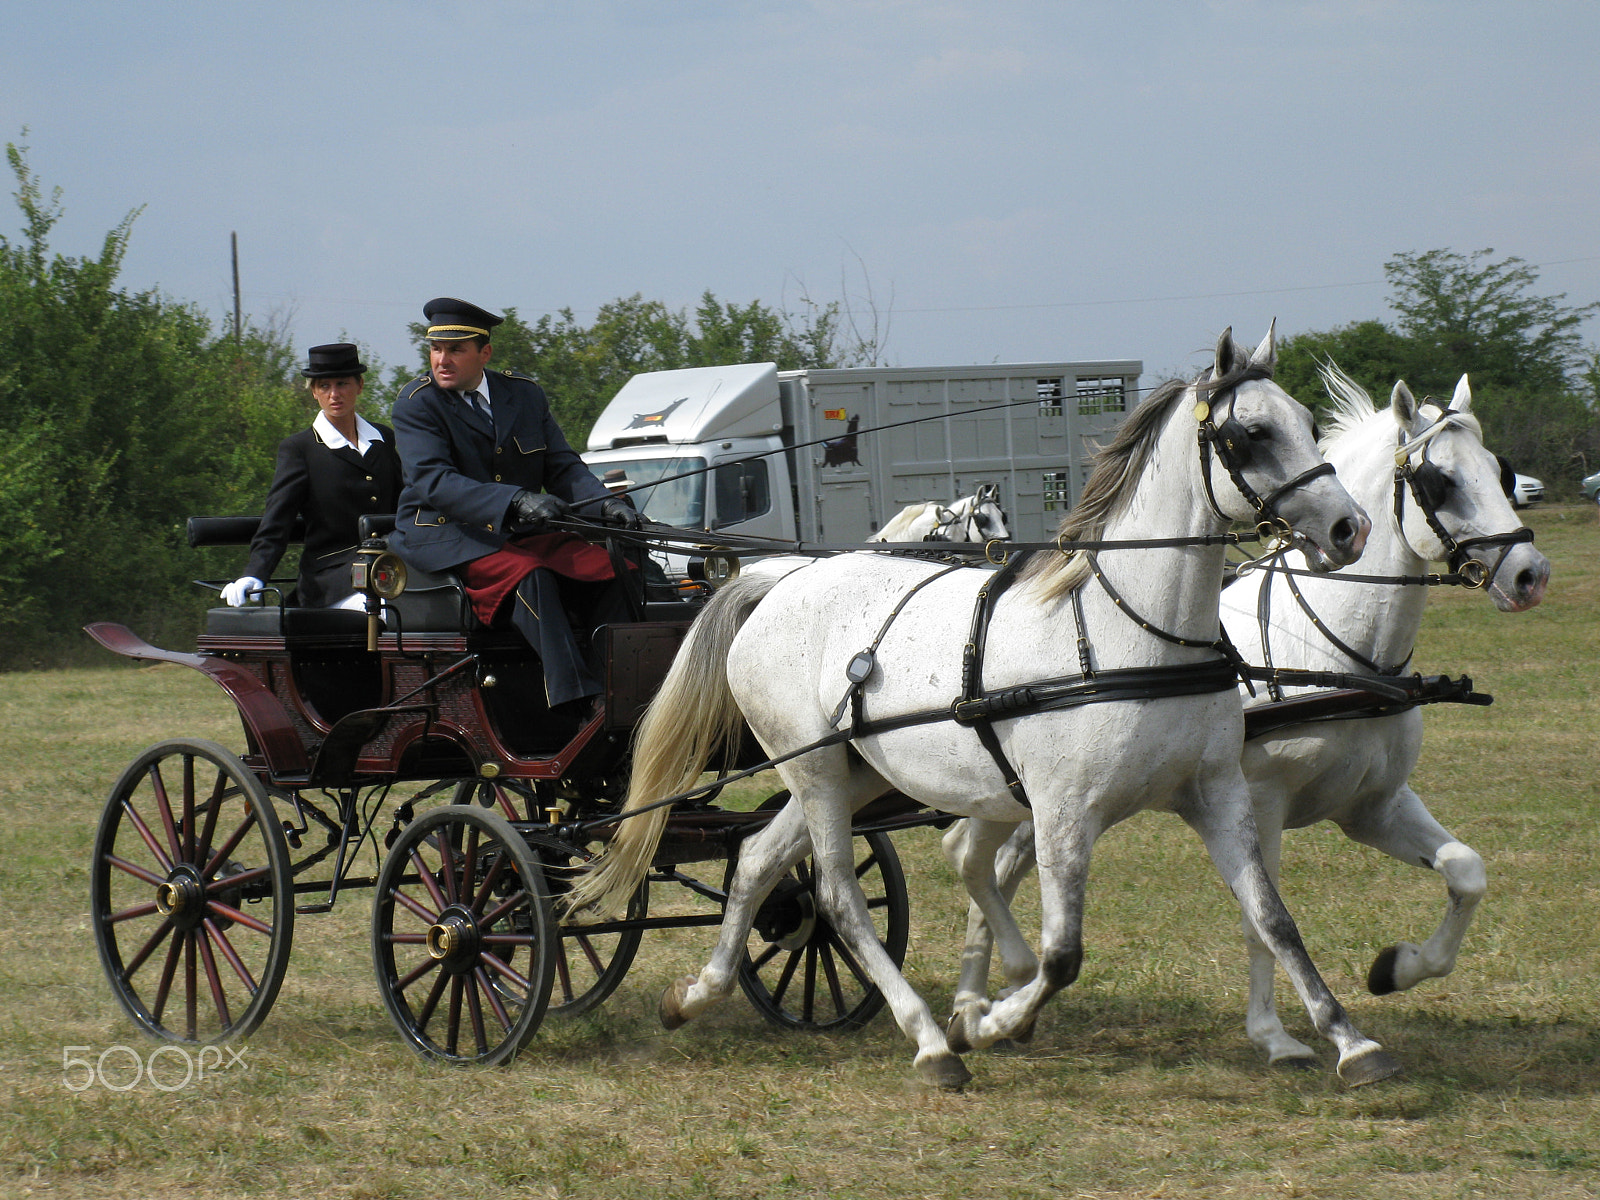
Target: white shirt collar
366,434
482,389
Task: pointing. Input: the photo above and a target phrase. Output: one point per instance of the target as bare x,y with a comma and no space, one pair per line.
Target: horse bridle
947,520
1430,489
1231,441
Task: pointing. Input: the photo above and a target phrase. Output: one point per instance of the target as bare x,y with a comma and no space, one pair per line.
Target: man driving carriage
487,469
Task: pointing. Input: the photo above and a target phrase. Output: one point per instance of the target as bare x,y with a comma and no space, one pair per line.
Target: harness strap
972,674
861,667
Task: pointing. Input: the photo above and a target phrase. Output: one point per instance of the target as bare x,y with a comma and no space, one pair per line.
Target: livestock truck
824,475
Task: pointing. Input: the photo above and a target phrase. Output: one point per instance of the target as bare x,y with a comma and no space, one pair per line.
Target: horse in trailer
1445,498
974,518
1165,734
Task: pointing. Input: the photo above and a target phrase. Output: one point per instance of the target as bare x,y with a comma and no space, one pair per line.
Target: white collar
482,389
366,434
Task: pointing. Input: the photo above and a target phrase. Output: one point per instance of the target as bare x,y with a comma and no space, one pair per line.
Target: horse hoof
1369,1067
945,1071
956,1032
1380,979
1294,1062
671,1009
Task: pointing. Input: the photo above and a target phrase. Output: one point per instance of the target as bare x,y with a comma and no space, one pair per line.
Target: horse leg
839,892
1229,832
1406,830
1261,1022
970,847
1063,873
763,860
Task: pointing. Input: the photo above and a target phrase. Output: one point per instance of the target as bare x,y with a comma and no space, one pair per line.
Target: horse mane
1117,467
900,522
1353,407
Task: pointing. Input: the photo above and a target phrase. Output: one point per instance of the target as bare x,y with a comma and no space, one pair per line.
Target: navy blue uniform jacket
330,489
461,475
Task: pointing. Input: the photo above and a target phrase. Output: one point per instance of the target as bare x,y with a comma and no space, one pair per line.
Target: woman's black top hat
334,361
452,320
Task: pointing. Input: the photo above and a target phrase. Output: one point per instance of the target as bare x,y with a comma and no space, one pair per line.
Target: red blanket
492,578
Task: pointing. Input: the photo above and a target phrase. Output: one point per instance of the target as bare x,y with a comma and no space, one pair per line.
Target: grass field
1139,1083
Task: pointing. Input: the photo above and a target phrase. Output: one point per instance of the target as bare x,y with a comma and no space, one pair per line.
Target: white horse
776,652
975,518
1447,502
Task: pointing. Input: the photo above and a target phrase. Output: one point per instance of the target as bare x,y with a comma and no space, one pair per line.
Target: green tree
1534,381
1468,313
121,414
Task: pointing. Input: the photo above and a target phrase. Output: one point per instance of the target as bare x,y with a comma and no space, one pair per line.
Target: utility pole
238,327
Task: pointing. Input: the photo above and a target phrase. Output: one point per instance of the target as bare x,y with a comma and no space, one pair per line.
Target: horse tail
692,714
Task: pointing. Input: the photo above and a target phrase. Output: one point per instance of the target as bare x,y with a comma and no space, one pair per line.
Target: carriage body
204,859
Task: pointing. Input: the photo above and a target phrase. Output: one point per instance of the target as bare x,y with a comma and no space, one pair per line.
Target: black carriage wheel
462,935
191,894
797,971
593,959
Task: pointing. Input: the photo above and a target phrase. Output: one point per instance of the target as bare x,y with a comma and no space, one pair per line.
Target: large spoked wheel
797,971
462,936
591,959
191,894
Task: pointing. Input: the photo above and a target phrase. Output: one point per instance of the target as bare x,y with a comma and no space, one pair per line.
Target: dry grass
1139,1083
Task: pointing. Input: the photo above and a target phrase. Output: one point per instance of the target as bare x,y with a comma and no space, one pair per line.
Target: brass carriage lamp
378,574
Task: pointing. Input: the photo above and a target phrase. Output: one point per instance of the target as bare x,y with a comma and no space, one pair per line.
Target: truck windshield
680,502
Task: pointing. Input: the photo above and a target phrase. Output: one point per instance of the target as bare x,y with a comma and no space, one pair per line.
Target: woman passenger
331,474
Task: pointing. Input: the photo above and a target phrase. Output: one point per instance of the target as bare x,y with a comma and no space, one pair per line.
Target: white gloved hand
235,594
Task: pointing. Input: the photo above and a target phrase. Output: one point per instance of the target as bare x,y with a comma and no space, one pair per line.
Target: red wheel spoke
493,997
480,1036
213,980
831,972
808,1009
500,911
425,1014
168,970
138,910
156,938
447,868
164,809
213,809
490,878
427,964
589,952
415,908
186,825
147,837
427,880
218,909
229,846
784,977
506,971
191,988
452,1030
220,937
138,872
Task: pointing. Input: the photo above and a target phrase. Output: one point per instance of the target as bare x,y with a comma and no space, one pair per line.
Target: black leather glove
532,511
619,510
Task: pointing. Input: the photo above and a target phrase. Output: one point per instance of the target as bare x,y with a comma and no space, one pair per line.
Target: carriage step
303,909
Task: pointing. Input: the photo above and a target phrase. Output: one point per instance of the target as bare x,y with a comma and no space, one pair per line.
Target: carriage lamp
379,575
717,567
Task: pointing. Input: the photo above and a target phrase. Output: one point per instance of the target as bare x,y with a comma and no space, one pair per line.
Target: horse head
1272,474
1452,502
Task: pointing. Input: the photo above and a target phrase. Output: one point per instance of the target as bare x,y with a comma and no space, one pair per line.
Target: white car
1527,490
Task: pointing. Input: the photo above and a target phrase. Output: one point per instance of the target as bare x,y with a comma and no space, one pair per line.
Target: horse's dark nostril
1344,533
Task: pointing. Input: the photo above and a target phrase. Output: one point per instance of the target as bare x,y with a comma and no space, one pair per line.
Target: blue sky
996,181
